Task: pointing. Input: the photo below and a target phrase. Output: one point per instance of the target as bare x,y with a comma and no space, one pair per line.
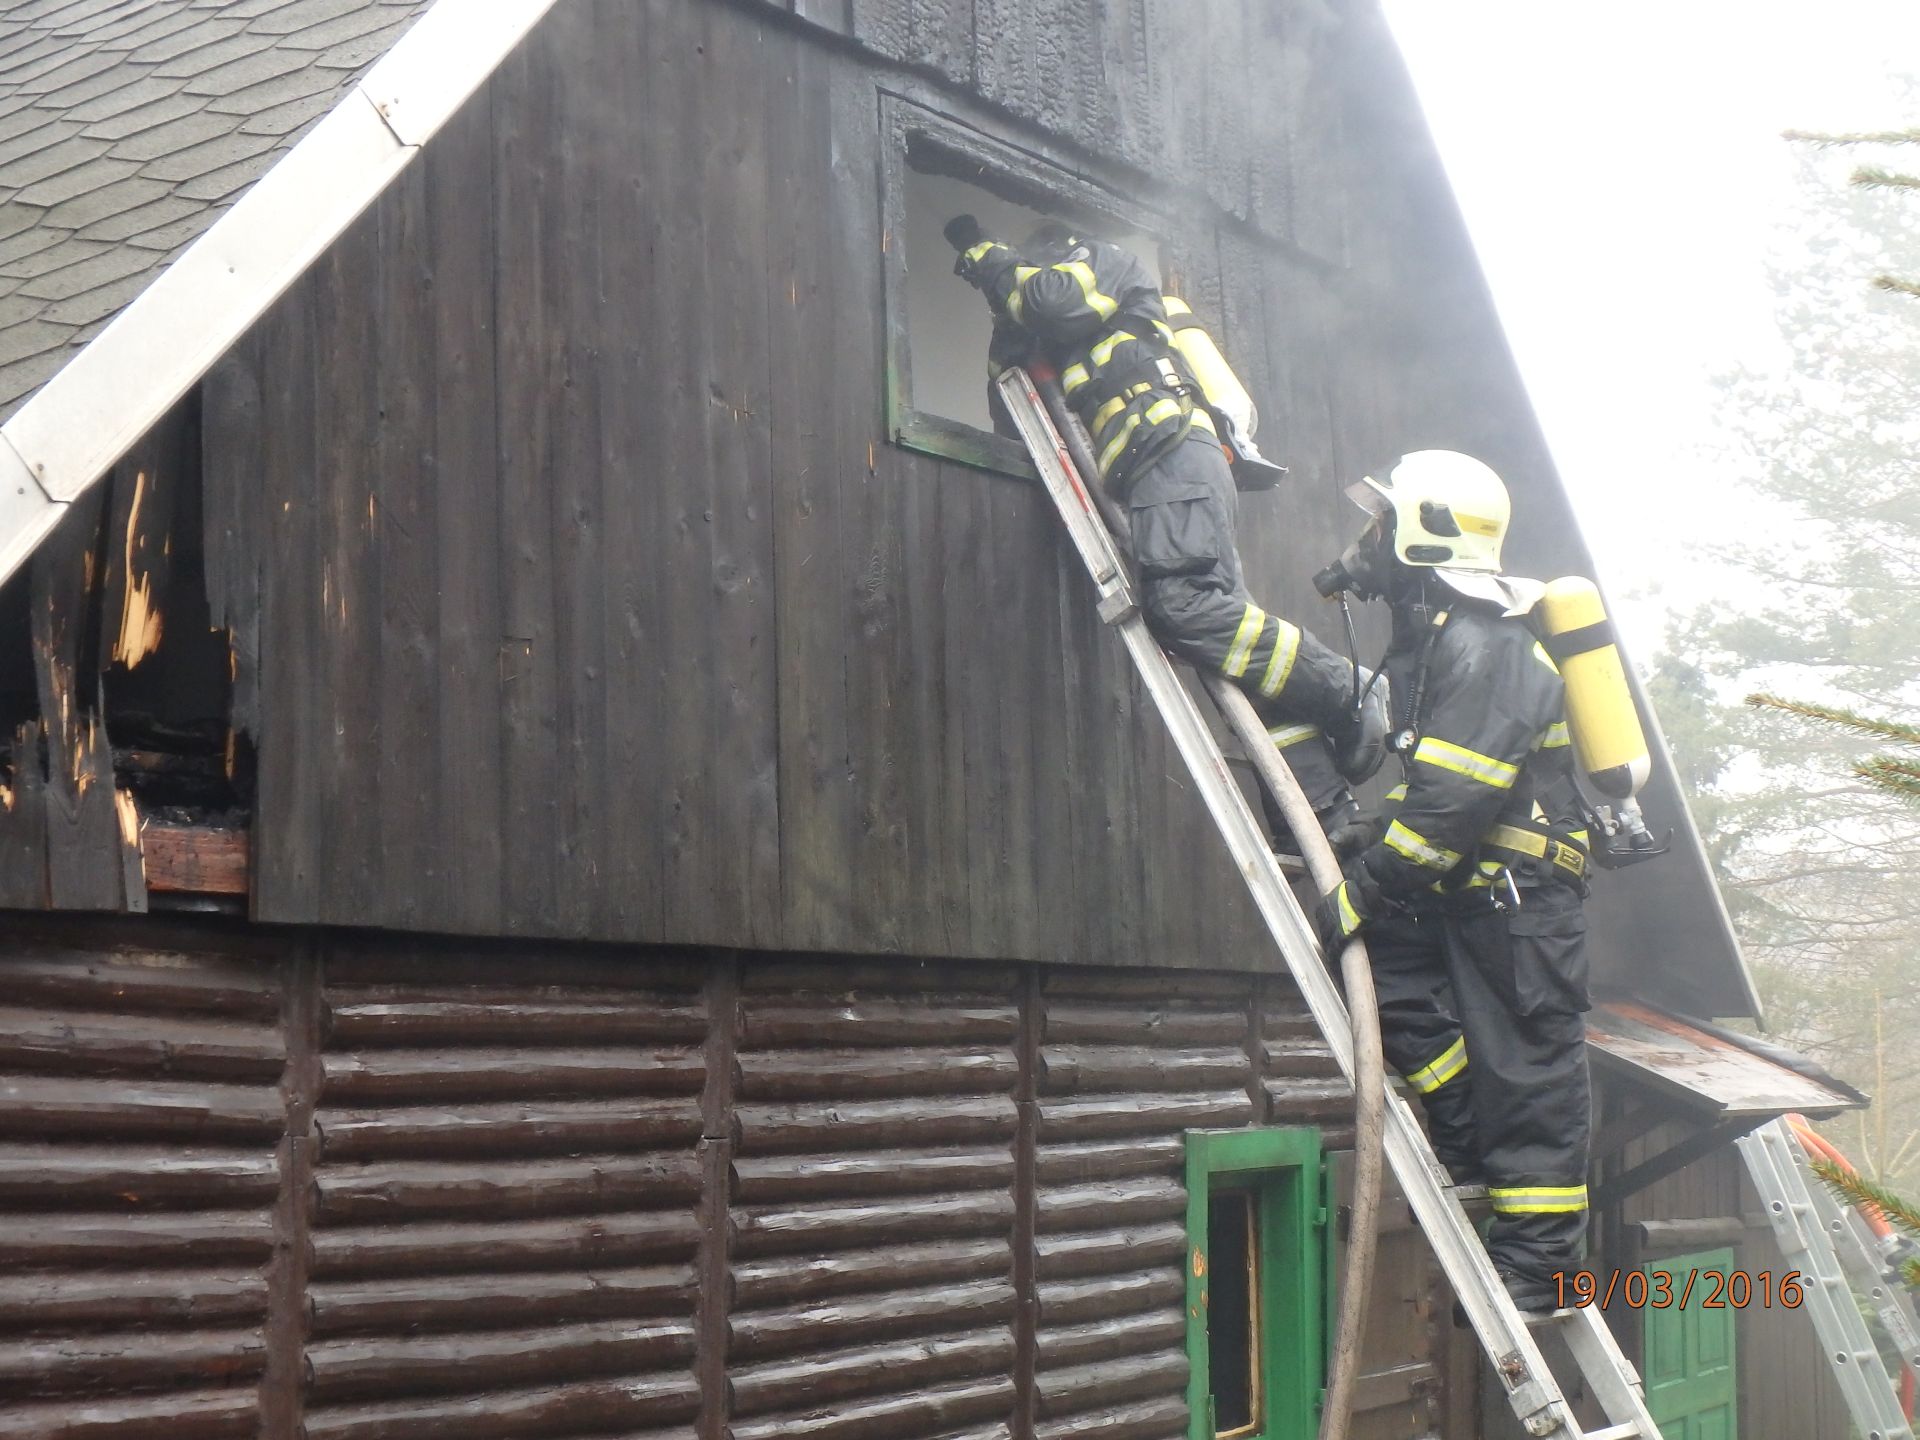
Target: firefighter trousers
1182,511
1481,1010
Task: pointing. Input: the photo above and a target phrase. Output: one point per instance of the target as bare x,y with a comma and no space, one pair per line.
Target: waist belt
1518,843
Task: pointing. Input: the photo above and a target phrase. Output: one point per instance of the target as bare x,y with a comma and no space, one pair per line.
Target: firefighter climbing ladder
1504,1332
1830,1245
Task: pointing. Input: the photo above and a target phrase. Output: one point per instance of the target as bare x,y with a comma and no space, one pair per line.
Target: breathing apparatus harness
1154,371
1530,848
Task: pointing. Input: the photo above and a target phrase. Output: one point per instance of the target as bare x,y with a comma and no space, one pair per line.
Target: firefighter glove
1346,909
963,232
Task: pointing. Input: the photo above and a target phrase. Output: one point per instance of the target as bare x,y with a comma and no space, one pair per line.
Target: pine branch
1862,137
1910,1271
1891,775
1896,284
1876,177
1858,1190
1853,720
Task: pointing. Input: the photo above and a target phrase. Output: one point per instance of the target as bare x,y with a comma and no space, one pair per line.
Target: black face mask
1365,567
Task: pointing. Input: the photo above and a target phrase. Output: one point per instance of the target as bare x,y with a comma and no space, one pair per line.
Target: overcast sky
1621,169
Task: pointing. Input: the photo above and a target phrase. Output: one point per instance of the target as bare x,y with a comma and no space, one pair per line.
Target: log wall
263,1183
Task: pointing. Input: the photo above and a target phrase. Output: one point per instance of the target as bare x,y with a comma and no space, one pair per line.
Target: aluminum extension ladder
1505,1333
1830,1244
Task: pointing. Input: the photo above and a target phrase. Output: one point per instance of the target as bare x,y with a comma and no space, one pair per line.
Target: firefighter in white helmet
1095,313
1471,900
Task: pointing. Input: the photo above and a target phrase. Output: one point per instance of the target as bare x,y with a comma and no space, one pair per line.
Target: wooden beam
1696,1146
195,859
1679,1237
1618,1132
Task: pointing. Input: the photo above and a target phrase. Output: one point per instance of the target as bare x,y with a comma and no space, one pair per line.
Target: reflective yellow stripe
1106,412
1512,837
1540,654
1398,792
1556,736
1102,350
1580,838
1284,735
1073,377
1540,847
1470,763
1102,305
1444,1067
979,252
1017,302
1117,444
1167,409
1539,1199
1286,649
1244,639
1417,848
1349,917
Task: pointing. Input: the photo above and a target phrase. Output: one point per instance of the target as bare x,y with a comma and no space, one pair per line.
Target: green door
1690,1366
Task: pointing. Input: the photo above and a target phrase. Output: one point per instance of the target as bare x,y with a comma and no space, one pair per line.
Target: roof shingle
128,126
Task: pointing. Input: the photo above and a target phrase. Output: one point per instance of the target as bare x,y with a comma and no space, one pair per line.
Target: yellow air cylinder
1225,393
1600,712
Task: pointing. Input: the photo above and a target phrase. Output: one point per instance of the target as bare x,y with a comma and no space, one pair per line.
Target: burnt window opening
938,326
116,694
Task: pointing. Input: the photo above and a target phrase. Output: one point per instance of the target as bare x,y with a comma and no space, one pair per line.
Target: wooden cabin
576,859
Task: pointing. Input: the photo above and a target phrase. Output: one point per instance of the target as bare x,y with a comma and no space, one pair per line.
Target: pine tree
1892,774
1896,775
1817,855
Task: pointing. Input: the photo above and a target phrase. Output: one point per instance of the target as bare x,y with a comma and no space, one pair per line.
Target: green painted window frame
1292,1183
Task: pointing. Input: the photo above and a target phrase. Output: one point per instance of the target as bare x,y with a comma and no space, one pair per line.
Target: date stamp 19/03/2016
1655,1288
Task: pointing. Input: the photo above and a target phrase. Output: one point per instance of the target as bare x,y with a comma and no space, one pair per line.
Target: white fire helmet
1449,510
1449,513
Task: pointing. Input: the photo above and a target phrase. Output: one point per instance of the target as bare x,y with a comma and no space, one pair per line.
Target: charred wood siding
589,592
279,1184
573,587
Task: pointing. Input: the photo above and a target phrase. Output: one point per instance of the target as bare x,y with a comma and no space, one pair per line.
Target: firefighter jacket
1102,324
1480,725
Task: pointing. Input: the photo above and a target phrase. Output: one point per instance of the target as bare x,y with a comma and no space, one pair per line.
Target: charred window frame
918,139
1259,1282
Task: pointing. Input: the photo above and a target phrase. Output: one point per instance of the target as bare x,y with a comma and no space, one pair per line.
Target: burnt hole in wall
124,775
166,671
19,701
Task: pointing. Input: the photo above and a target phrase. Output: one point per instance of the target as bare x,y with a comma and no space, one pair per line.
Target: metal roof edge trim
93,410
1691,831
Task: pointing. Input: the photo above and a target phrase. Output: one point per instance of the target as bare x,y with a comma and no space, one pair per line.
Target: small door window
1233,1311
1257,1283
